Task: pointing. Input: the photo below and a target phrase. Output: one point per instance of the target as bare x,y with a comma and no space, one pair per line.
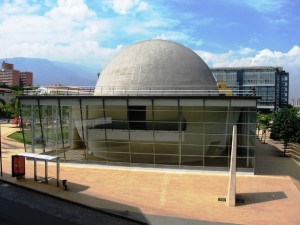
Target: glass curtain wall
176,133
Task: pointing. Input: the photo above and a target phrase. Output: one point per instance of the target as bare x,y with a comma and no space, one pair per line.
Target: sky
91,32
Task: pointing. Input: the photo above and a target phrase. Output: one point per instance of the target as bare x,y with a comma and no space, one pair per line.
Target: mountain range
46,72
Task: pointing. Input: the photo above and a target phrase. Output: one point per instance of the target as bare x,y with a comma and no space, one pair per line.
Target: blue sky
222,32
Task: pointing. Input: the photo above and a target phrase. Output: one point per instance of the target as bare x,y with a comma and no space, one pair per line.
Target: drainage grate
238,200
221,199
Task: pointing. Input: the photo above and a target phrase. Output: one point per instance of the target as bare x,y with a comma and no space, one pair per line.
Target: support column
179,113
34,169
232,173
61,128
46,171
57,172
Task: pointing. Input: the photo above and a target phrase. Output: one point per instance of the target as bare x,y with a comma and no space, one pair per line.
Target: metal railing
61,90
120,91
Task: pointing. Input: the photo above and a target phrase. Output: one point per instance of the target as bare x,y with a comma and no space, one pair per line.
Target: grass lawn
18,136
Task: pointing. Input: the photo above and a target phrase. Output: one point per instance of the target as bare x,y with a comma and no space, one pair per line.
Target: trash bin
18,166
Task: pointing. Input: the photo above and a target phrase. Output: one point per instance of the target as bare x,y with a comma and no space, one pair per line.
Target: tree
263,123
258,125
11,108
286,125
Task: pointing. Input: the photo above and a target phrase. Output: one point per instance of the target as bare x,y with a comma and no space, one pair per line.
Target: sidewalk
175,197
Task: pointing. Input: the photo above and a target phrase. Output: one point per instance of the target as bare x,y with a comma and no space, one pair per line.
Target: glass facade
228,76
259,77
270,83
175,132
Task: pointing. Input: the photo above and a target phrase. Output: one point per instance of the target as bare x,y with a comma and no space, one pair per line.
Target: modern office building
270,83
155,104
12,77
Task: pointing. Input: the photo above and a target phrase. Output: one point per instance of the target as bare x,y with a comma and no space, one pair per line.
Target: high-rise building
269,83
8,75
12,77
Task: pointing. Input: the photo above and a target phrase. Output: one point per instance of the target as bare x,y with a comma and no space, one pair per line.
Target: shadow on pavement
59,207
103,205
269,161
74,196
253,198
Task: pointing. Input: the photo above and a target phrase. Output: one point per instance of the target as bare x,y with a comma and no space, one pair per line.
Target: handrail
115,91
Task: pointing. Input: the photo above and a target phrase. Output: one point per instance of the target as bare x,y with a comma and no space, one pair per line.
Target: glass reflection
102,130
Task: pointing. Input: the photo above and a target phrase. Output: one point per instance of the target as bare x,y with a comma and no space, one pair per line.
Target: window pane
142,158
167,159
166,149
118,157
136,147
191,150
192,161
216,161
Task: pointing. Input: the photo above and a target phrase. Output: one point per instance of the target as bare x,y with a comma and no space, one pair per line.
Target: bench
46,159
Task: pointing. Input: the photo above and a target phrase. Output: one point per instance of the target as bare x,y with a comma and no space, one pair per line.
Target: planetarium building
155,104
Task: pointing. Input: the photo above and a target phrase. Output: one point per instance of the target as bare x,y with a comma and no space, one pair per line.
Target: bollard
64,183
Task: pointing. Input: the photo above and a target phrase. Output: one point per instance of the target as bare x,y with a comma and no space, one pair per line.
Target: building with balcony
155,104
270,83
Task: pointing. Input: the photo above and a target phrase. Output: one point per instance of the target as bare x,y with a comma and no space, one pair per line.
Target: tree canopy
263,122
11,108
286,125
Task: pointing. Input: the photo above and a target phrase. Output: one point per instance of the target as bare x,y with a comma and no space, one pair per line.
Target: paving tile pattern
166,196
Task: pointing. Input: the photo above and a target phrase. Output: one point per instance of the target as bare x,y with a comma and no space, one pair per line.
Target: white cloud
179,37
48,3
290,61
69,31
60,25
161,37
173,36
146,28
17,7
124,7
142,6
245,51
70,9
263,57
262,5
278,21
85,52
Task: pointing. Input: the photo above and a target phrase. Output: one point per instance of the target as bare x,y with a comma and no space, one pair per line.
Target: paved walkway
176,197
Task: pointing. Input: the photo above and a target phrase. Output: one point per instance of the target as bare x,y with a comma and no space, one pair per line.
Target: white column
232,172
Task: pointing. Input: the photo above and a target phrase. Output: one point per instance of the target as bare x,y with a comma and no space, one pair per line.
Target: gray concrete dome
155,67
